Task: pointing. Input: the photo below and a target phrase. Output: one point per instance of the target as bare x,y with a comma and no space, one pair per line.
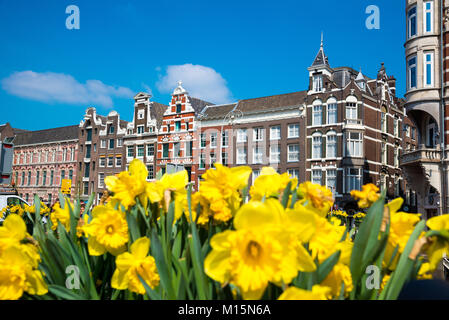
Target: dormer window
178,108
362,85
140,114
140,129
318,82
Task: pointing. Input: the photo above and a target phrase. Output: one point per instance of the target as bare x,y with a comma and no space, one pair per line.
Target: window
354,147
37,178
224,158
203,140
256,173
187,125
150,172
202,161
140,151
88,147
241,135
258,134
101,180
331,180
95,148
275,133
293,153
177,126
71,174
332,113
241,155
413,133
86,188
351,112
411,73
213,158
383,182
86,170
225,138
428,69
318,83
353,179
317,115
130,151
165,148
110,161
177,149
140,129
331,145
411,17
52,176
118,161
64,154
294,173
384,153
317,147
383,122
62,175
396,157
150,150
293,130
317,176
213,140
111,129
44,178
140,114
102,161
119,142
188,149
89,135
275,153
257,155
178,108
407,130
103,144
396,127
428,16
23,178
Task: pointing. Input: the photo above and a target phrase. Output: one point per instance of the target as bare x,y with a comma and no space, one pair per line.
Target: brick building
354,131
42,159
101,151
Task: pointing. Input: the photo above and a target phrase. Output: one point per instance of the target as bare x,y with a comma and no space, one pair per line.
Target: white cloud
62,88
200,82
147,88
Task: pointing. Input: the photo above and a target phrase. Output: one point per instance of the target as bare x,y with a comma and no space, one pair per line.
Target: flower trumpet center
254,250
110,229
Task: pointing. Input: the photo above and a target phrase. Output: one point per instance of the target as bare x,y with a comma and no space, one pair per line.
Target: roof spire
322,42
321,58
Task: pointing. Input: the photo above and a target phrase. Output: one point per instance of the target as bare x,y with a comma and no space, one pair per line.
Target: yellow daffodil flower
318,293
367,196
270,183
108,231
60,215
128,185
315,197
438,246
134,263
261,250
339,274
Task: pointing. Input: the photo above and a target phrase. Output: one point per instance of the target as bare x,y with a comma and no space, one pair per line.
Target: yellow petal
395,205
95,249
216,265
36,284
138,169
256,215
140,248
305,261
120,279
15,226
439,222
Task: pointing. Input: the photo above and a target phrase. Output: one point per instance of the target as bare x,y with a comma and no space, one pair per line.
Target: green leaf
286,194
161,264
326,267
150,292
64,293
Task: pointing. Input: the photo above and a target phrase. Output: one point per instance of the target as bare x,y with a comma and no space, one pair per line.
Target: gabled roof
157,111
48,135
272,102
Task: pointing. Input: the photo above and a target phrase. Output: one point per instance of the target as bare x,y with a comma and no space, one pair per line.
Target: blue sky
223,50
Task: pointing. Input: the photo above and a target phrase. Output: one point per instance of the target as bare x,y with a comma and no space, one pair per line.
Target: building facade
42,159
353,134
101,151
427,107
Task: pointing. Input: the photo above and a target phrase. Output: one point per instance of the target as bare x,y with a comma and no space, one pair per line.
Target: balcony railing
421,155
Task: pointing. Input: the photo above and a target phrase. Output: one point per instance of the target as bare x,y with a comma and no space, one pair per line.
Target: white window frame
357,177
426,64
293,156
333,187
101,180
119,142
315,138
384,153
118,165
140,129
315,174
258,134
224,139
317,114
213,140
332,107
351,109
333,146
275,132
425,13
317,82
242,135
294,173
140,114
103,143
409,72
351,145
202,163
241,155
142,148
275,153
110,165
293,130
409,22
203,139
102,164
257,155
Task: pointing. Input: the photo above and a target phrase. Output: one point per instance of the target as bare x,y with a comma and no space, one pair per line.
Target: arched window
331,144
317,146
332,111
351,110
317,113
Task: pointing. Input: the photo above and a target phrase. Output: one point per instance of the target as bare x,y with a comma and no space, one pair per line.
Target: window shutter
359,112
309,148
309,116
